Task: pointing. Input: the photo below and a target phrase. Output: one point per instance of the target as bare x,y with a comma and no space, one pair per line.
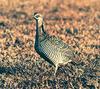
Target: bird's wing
58,42
55,48
64,48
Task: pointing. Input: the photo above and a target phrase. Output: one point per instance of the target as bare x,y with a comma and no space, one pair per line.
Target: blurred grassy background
76,22
10,4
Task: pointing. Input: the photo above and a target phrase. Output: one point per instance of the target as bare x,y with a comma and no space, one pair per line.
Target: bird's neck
40,33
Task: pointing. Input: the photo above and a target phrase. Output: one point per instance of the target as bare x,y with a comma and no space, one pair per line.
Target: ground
76,22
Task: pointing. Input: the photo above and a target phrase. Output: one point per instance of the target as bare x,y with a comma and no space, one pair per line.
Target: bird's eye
37,16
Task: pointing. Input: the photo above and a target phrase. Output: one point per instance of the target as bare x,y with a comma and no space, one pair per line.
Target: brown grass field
76,22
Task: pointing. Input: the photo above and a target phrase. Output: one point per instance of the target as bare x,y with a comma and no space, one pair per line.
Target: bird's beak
33,16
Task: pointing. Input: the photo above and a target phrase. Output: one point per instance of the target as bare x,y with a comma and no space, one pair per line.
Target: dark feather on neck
40,33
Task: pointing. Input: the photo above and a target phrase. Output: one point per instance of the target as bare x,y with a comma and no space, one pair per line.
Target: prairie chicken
51,48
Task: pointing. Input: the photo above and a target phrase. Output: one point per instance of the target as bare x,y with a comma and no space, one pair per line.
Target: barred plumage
51,48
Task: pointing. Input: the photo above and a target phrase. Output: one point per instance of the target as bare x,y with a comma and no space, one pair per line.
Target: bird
51,48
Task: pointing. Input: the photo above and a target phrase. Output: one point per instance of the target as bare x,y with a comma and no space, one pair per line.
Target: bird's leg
56,69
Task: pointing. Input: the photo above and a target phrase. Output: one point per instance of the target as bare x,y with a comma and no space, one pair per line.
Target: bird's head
38,18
